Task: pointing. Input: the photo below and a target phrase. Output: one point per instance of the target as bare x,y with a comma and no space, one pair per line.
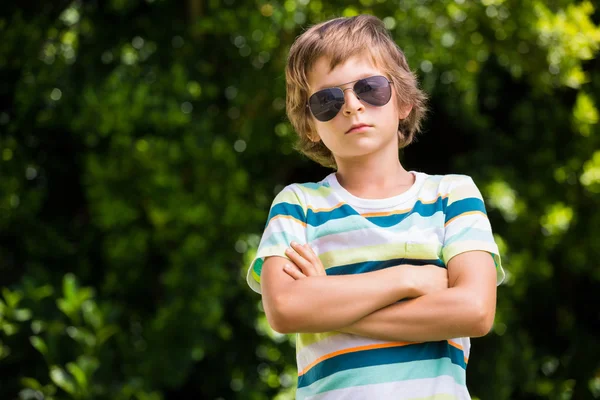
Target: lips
357,127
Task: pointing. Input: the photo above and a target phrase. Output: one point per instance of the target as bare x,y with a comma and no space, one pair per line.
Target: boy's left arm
465,309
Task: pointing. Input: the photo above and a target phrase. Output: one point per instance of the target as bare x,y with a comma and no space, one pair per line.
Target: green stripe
287,196
315,189
306,339
381,252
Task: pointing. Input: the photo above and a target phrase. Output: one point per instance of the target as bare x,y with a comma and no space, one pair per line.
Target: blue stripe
425,210
369,266
465,205
321,217
390,355
288,209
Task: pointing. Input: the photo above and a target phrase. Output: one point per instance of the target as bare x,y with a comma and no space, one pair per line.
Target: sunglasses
374,90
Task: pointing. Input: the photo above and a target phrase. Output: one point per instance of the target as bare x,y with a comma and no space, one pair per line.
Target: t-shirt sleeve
286,223
467,226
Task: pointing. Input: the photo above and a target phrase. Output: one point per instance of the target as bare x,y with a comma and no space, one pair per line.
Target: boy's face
382,122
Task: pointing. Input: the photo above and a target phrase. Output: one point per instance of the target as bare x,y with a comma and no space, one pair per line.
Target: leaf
30,394
12,298
69,287
88,364
4,351
9,329
22,314
42,292
79,375
82,335
106,332
62,379
31,383
85,294
39,344
67,308
92,314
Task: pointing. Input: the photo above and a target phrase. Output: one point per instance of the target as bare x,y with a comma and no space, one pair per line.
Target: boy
338,256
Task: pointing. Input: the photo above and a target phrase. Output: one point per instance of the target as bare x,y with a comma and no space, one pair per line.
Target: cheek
327,131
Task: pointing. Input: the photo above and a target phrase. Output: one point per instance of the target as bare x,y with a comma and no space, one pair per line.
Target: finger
301,263
293,271
314,259
308,254
302,260
302,250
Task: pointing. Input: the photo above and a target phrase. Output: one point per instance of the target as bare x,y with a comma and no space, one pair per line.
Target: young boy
338,256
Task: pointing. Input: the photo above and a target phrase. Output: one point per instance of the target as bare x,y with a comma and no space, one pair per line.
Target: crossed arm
438,304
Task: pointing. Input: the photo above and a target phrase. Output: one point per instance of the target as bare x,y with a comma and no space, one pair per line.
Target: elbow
279,316
280,325
482,320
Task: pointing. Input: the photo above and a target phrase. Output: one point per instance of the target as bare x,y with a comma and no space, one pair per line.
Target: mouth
358,128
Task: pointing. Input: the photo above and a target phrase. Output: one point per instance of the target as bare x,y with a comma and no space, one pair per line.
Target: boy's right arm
327,303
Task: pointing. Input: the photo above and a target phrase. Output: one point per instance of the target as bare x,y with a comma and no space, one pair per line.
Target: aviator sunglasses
374,90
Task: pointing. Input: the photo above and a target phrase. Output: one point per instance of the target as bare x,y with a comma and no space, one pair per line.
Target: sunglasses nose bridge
349,103
350,88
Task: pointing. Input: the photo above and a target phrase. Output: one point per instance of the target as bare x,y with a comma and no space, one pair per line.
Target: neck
372,176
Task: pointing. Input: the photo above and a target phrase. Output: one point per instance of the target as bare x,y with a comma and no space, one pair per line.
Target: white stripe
465,342
433,187
291,226
351,240
331,344
403,390
477,220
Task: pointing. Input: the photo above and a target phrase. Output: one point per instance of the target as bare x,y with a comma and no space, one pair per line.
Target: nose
352,104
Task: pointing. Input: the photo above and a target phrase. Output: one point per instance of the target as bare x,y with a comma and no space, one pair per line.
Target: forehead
357,67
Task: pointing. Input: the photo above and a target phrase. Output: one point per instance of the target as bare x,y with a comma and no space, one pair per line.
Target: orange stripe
327,209
353,350
290,217
458,346
462,215
454,344
434,200
385,214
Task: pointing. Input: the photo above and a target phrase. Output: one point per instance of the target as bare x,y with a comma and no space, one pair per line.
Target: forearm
325,303
446,314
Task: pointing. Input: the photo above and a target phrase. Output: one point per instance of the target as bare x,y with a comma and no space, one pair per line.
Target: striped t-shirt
439,217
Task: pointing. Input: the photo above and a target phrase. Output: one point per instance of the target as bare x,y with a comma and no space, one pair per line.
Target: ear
313,136
404,111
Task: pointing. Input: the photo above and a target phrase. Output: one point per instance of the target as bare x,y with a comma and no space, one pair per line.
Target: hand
305,262
424,279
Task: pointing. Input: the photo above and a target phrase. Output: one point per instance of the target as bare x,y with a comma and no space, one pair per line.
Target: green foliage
141,143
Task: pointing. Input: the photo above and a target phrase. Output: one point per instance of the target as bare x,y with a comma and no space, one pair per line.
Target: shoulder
445,185
305,193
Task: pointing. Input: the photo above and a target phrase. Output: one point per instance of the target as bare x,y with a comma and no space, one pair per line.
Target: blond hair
338,40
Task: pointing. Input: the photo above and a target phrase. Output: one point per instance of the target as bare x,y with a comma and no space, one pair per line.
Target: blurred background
141,145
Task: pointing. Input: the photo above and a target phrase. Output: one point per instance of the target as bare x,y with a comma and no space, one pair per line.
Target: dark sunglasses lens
326,103
375,90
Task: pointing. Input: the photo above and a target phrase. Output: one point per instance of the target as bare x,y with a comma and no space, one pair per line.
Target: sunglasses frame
344,91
